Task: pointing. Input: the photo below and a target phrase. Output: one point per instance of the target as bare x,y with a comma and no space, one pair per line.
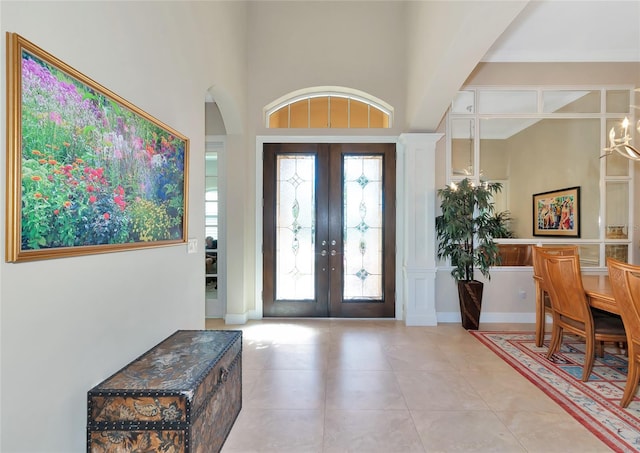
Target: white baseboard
242,318
493,317
236,319
421,320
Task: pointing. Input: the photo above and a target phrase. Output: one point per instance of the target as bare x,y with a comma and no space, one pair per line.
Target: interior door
329,230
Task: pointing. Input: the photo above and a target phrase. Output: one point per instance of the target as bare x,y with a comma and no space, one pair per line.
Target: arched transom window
328,107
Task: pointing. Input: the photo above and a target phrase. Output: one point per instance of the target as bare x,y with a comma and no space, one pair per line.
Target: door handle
333,253
323,253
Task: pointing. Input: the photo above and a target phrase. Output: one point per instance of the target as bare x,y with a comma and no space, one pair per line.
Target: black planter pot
470,295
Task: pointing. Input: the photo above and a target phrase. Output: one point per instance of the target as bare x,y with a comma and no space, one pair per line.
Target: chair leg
631,385
589,356
540,317
556,340
600,350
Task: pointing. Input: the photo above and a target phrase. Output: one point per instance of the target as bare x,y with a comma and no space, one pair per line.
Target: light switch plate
192,245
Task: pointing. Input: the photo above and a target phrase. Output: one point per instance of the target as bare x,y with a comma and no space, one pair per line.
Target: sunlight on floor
328,385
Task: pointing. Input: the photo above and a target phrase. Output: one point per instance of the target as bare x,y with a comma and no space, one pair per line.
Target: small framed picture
557,213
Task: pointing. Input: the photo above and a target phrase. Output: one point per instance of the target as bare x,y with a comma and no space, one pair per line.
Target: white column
417,151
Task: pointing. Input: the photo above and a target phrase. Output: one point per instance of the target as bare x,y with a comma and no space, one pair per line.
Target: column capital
419,138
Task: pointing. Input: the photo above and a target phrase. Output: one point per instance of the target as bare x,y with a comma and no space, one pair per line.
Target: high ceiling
571,31
466,33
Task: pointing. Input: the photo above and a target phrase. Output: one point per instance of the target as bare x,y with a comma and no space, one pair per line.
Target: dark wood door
329,230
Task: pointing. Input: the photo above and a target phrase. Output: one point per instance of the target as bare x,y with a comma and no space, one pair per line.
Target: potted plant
466,230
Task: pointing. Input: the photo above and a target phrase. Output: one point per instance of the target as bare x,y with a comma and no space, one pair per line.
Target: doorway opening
215,299
329,229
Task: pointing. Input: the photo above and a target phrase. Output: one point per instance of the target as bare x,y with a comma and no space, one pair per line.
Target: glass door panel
363,227
295,227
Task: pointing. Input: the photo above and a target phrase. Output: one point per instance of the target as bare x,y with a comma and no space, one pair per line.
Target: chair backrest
563,282
564,250
625,283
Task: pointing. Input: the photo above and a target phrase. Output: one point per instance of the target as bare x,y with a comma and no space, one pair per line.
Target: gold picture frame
87,171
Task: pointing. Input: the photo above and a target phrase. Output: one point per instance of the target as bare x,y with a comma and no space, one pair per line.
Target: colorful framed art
87,171
557,213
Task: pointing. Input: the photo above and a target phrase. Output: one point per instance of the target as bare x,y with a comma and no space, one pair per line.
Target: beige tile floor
364,386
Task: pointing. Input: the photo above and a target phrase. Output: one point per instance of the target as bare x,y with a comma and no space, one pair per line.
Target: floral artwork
92,169
556,213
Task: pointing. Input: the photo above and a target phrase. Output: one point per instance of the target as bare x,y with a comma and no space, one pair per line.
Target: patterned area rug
595,403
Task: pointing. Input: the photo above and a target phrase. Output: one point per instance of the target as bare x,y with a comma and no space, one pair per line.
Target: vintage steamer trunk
182,396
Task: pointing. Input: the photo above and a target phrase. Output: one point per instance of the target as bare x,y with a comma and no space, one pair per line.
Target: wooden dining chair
543,305
625,283
571,311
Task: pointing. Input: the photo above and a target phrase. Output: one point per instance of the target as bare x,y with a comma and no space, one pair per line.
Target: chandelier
622,144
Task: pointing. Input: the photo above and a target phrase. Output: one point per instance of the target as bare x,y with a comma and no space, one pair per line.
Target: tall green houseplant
465,231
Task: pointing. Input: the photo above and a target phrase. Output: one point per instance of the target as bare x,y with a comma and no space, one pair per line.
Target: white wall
295,45
509,297
67,324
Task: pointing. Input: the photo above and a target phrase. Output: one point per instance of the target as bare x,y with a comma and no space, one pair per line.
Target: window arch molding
329,92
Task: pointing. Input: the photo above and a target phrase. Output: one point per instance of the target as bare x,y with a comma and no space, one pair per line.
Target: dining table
599,292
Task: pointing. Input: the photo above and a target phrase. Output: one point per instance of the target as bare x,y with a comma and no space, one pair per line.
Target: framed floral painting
87,171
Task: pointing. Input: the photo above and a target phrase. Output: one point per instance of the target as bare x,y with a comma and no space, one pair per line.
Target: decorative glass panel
507,101
462,147
358,114
319,112
619,252
377,118
617,218
571,101
280,118
464,102
339,108
495,149
618,101
299,114
295,227
330,111
589,255
363,227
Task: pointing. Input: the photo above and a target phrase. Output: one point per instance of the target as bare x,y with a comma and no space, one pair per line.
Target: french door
329,230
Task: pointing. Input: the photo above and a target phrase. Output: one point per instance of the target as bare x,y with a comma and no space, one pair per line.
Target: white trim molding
418,238
260,141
